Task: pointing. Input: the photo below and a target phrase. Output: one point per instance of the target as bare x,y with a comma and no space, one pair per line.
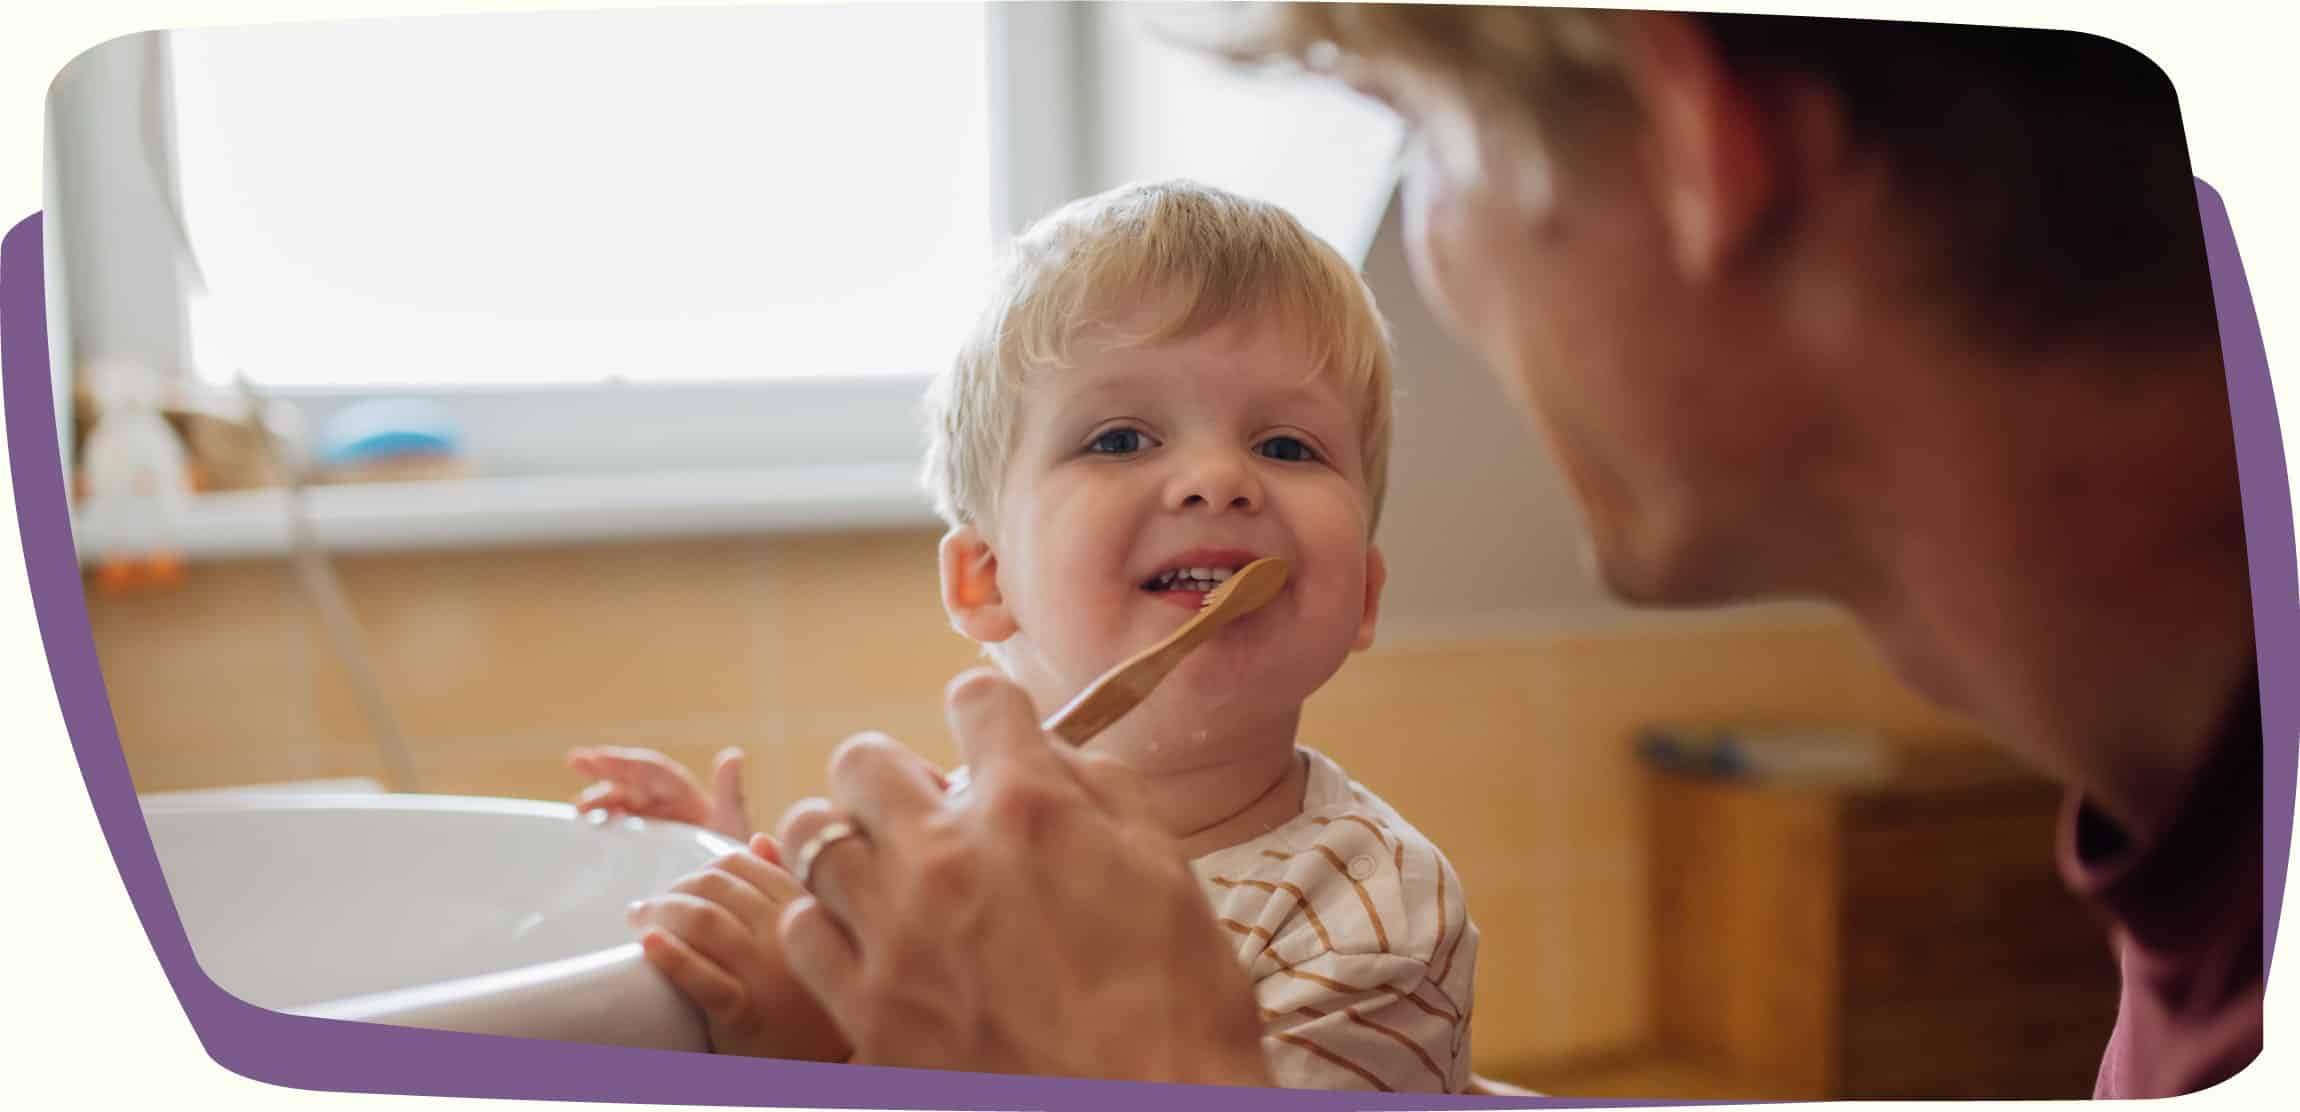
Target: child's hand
647,784
713,936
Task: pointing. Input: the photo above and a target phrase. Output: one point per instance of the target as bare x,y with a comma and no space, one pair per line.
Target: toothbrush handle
1120,689
1104,701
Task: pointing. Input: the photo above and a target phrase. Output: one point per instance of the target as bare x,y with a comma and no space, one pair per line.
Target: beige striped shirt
1358,938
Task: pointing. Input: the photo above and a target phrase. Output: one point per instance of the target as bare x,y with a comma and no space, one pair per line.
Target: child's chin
1237,661
1198,698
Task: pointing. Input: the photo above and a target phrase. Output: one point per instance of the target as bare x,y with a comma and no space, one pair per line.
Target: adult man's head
1716,255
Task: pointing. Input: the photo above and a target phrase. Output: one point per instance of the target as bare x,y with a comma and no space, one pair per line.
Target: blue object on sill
1715,754
387,429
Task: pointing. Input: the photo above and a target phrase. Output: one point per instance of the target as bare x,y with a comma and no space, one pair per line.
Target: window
708,195
699,259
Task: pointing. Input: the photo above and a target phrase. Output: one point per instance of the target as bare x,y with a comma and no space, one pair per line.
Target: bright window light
696,195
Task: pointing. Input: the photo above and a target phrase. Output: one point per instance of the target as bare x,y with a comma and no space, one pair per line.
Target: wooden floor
1650,1075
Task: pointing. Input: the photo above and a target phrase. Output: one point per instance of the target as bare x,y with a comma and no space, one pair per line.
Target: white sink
496,916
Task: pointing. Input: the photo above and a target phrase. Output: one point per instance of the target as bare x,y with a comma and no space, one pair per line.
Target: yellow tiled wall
1512,752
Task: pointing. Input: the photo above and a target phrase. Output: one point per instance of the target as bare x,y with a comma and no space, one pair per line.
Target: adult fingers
883,785
831,858
996,730
822,955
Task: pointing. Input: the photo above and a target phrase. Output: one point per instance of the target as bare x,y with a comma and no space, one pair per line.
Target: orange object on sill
157,572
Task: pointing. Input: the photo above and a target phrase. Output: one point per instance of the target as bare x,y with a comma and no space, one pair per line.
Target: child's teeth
1199,579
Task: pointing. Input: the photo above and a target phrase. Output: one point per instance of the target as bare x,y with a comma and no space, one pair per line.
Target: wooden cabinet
1890,931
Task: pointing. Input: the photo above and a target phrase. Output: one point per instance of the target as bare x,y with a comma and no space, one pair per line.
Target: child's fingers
711,929
602,765
603,796
724,885
764,845
642,774
643,766
633,798
586,762
762,873
730,812
710,987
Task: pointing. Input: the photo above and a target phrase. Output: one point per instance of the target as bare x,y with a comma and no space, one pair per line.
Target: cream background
90,1020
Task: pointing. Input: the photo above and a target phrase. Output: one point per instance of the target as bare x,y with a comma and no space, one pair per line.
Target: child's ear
1377,575
970,592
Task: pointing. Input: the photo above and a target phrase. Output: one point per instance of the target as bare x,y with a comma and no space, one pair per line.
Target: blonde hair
1209,257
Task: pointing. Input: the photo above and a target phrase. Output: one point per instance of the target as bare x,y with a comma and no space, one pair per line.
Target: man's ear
970,592
1377,576
1711,145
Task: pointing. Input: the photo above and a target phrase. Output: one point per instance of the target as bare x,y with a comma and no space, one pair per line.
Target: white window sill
544,509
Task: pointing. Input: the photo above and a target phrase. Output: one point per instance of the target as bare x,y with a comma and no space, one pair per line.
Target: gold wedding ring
837,830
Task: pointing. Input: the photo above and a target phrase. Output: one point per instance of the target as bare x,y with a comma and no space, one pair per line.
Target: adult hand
1040,923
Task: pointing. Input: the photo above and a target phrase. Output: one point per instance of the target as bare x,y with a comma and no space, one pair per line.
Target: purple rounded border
353,1057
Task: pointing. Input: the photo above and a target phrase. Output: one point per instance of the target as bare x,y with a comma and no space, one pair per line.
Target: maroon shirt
2186,921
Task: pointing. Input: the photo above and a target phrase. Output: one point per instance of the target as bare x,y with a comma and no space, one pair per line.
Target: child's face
1208,452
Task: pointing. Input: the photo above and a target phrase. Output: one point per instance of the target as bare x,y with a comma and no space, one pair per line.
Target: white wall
106,218
56,308
1159,110
1481,536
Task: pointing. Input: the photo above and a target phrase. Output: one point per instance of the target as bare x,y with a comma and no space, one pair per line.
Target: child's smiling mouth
1188,579
1185,579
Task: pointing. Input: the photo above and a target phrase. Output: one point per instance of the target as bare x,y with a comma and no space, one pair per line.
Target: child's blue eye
1288,448
1117,442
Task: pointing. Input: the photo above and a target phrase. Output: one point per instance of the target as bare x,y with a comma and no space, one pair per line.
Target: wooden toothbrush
1118,690
1107,699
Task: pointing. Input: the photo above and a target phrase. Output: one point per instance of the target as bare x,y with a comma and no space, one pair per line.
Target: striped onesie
1357,936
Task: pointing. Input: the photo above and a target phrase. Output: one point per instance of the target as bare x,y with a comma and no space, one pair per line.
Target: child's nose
1217,480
